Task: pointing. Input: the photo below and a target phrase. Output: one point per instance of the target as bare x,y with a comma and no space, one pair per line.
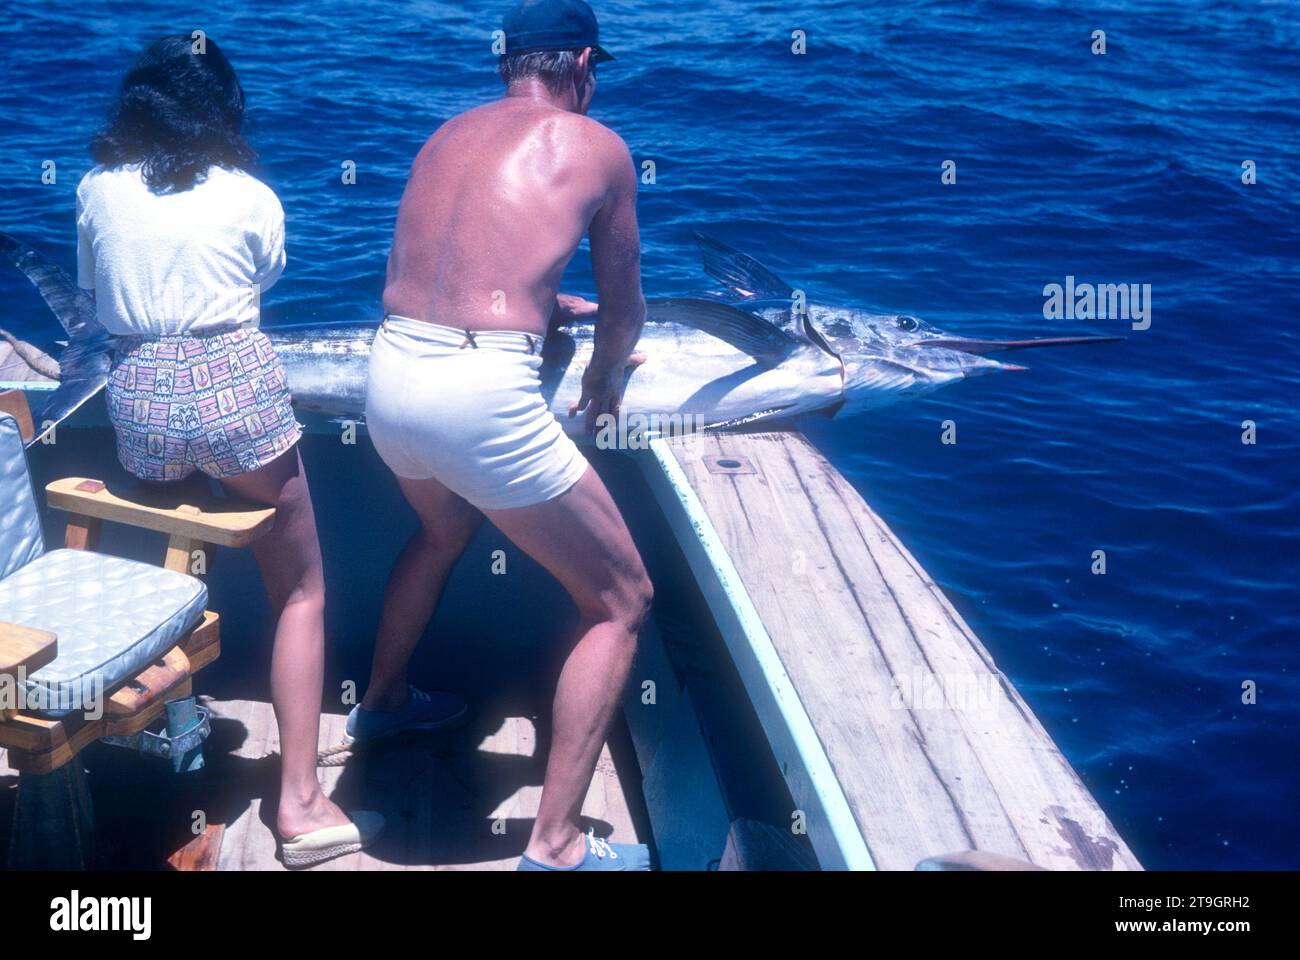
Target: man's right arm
616,264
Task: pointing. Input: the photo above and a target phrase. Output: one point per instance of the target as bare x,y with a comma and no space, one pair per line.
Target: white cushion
113,617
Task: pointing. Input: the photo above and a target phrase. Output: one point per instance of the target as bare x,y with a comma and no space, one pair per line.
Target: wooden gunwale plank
1027,765
929,749
860,628
838,841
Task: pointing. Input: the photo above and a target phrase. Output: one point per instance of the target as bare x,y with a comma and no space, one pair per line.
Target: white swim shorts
467,409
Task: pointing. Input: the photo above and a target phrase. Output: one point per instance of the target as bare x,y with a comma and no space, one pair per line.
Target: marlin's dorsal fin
765,342
797,325
739,272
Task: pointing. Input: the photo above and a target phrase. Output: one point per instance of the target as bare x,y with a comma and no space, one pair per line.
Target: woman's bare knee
289,554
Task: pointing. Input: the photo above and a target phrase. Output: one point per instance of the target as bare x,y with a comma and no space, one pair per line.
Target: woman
177,240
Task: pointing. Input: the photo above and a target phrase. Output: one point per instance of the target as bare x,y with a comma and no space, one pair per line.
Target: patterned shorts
218,403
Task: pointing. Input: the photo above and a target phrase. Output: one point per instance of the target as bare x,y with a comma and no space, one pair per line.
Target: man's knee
641,599
451,534
625,602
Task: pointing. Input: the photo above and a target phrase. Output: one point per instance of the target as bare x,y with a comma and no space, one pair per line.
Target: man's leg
581,539
447,524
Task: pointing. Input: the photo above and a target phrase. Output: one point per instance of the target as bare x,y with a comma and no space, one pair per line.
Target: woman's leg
290,561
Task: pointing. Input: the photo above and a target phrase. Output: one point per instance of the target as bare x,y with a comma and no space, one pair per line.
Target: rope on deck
40,363
335,756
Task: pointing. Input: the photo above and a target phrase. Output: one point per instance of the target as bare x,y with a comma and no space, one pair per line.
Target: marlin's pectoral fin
740,272
766,343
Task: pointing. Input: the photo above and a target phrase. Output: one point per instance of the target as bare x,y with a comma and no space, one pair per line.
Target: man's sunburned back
496,204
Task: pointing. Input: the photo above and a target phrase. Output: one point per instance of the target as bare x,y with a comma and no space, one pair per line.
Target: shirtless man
495,206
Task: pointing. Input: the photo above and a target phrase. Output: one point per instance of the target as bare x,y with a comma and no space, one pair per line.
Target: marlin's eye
908,323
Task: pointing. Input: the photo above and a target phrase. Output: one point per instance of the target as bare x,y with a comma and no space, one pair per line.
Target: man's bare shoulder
468,118
572,140
587,145
604,142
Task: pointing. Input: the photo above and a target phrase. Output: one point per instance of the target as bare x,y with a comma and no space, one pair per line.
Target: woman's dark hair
178,114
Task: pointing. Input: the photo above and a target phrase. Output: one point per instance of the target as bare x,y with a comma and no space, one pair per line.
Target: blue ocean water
1117,168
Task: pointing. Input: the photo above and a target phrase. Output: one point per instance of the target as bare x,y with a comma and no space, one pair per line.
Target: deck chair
94,646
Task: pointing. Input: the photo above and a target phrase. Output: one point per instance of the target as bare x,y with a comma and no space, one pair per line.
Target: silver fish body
686,374
756,353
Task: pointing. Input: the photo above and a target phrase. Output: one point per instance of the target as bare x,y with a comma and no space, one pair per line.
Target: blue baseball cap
553,25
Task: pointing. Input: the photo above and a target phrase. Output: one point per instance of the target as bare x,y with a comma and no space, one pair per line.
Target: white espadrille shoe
309,849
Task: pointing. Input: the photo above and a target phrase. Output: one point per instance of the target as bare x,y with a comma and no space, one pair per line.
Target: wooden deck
846,646
462,801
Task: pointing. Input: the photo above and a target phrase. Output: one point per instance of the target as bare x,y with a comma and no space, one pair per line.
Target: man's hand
602,392
569,308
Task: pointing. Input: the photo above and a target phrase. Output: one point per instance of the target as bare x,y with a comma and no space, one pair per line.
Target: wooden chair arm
14,403
25,647
21,647
226,523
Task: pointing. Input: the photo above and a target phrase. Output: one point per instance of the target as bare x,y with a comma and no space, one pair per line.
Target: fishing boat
804,696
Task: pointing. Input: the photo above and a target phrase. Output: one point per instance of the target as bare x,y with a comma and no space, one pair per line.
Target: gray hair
553,67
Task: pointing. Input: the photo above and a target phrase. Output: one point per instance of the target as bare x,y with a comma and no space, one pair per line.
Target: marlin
755,352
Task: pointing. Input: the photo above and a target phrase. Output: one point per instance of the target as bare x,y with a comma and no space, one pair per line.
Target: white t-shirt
187,262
